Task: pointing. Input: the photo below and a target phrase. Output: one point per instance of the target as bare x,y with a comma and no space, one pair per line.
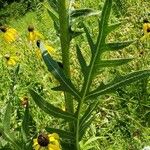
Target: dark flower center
3,29
148,30
30,28
7,56
43,140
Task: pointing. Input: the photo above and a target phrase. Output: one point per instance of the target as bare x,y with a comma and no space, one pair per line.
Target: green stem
65,44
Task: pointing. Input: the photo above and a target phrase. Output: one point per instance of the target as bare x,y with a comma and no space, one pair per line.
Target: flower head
47,141
146,26
10,34
10,60
33,35
25,101
146,30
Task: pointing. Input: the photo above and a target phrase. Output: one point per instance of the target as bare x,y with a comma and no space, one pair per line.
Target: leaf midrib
95,57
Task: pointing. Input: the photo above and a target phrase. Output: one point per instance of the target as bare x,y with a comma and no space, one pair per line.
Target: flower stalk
65,44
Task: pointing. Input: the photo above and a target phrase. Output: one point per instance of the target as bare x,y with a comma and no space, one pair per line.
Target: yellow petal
11,62
37,147
35,142
55,135
53,147
49,48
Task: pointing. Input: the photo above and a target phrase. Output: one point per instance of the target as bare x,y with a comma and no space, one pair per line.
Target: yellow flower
146,30
34,35
47,142
10,34
11,60
50,50
146,27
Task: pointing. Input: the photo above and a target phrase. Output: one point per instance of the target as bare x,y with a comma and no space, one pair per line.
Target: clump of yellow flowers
10,34
47,142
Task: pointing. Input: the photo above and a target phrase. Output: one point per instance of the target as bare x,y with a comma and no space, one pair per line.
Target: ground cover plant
89,92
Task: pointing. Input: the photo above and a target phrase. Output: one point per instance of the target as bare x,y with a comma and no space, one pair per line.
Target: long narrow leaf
88,113
112,63
113,27
25,124
103,24
53,16
83,12
81,61
122,81
10,137
7,117
58,73
49,108
116,46
85,127
90,40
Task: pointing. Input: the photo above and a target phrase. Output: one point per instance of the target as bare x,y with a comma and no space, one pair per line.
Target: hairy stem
65,44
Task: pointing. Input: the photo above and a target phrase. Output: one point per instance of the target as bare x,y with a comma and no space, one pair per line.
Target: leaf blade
124,80
49,108
58,73
113,62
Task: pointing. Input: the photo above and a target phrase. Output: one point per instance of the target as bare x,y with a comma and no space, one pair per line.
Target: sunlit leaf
112,27
90,40
81,61
49,108
7,117
112,63
118,82
117,46
83,12
84,128
88,113
58,73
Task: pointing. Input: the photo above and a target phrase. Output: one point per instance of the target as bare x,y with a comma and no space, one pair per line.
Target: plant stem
65,44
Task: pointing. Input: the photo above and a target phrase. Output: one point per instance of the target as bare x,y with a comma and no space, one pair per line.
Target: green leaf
25,124
118,82
84,128
113,62
49,108
83,12
103,24
116,46
10,137
53,4
53,16
98,47
63,134
17,70
55,19
81,61
74,34
58,73
90,40
112,27
88,113
7,117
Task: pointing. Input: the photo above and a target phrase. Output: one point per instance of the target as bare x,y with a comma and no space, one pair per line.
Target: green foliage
89,71
88,100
